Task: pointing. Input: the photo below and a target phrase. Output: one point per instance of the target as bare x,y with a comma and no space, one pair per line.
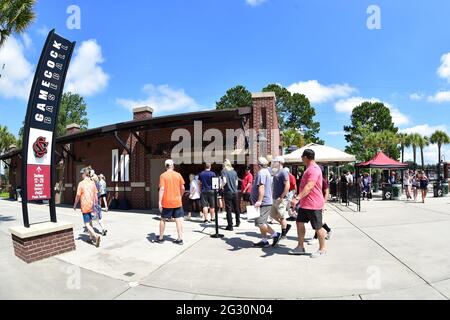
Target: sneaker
179,242
104,232
297,252
238,225
276,239
311,242
97,242
160,241
262,244
288,228
318,254
329,235
229,228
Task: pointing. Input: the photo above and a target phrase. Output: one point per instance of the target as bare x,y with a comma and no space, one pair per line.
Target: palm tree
440,138
15,17
422,143
404,143
414,140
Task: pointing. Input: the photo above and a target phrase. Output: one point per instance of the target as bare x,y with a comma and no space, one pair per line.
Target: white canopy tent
324,155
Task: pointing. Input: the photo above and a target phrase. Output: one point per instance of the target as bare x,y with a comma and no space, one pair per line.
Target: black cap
309,154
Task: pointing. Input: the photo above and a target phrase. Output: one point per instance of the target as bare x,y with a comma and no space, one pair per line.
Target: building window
115,166
125,168
263,118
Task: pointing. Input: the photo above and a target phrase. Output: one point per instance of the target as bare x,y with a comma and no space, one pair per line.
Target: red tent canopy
382,161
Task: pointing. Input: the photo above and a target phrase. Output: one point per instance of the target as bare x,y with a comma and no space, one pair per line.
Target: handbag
253,212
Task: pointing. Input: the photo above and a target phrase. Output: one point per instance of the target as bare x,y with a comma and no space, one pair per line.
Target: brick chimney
265,122
73,128
142,113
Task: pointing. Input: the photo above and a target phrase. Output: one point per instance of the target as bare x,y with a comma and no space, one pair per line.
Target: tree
370,117
72,110
295,112
384,140
422,143
15,17
236,97
440,138
414,139
6,139
292,138
404,143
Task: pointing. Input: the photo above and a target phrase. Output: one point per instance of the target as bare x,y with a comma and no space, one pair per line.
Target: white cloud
163,99
17,74
416,96
27,41
86,75
444,69
347,106
424,129
318,93
440,97
255,3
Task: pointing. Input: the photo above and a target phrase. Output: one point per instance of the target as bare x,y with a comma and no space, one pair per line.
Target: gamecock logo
40,147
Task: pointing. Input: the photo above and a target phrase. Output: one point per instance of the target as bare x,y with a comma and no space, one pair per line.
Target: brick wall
45,246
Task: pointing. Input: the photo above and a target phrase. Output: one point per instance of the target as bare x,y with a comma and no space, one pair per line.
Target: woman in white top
415,185
407,185
194,195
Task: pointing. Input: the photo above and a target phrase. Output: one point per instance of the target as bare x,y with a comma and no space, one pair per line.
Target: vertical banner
38,154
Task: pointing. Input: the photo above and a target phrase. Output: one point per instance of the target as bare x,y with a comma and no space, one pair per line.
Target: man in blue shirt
207,197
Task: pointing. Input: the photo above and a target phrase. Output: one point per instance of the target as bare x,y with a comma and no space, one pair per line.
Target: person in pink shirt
311,205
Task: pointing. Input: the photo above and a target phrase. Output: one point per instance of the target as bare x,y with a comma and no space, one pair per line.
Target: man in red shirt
247,184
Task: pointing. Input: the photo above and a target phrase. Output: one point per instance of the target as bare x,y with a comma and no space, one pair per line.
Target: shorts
208,200
103,196
313,216
264,216
175,213
279,210
194,205
87,217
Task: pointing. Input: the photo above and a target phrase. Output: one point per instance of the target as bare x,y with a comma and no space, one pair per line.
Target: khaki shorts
279,209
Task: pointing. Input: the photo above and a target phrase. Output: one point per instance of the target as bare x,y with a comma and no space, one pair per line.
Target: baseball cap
169,163
309,154
263,161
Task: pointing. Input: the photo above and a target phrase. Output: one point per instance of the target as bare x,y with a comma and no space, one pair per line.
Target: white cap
169,163
263,161
279,159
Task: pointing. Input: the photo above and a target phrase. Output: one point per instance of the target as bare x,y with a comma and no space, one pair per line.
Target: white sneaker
329,235
318,254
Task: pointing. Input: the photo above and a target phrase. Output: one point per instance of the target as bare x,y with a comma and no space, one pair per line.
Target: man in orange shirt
171,190
87,196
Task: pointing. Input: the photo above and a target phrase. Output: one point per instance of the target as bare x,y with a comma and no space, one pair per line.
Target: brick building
131,154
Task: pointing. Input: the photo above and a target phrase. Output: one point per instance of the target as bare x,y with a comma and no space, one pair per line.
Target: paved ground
392,250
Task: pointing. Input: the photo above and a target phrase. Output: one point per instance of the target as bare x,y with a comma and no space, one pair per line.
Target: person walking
407,185
261,198
415,184
207,196
171,190
311,205
103,191
366,186
281,187
423,185
194,195
292,193
87,197
97,207
231,196
246,186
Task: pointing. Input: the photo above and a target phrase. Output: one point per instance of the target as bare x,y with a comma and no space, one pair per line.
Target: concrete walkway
392,250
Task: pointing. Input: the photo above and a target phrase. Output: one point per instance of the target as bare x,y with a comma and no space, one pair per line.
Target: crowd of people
273,192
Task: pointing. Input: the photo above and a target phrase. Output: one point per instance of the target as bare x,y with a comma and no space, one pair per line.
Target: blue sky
179,56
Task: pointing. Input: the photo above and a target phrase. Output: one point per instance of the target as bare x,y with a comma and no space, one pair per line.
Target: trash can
445,189
396,191
387,192
438,190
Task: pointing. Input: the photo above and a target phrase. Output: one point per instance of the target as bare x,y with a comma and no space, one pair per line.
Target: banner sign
41,120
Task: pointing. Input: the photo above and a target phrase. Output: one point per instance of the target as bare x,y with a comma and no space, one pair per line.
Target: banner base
42,241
